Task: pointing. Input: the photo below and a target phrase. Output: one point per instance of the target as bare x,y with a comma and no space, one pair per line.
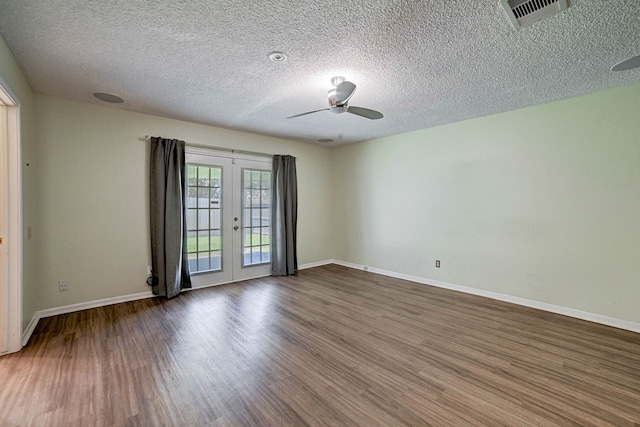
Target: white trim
352,265
14,233
552,308
7,96
317,264
26,335
41,314
12,181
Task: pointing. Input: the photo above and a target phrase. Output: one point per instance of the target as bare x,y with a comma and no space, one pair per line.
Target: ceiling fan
338,99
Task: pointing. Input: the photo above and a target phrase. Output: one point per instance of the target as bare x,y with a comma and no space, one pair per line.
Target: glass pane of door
204,189
256,217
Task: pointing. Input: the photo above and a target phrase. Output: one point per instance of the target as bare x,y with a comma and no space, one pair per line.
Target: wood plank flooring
330,346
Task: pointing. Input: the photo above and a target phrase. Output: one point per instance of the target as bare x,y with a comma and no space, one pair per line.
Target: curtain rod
210,147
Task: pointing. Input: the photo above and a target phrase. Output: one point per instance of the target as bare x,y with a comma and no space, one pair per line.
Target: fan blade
344,91
365,112
308,112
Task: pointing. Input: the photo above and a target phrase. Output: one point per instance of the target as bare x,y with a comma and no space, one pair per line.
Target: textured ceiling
421,63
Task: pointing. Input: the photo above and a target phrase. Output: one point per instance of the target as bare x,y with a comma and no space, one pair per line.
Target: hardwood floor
330,346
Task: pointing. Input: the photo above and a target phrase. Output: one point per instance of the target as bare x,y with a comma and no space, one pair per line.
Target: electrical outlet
63,286
437,263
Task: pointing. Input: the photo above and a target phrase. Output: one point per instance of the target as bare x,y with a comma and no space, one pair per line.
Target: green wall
541,203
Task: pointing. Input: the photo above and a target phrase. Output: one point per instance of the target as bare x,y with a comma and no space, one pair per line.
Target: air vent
525,12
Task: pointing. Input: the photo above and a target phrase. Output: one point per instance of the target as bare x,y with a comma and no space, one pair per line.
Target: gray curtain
284,216
169,264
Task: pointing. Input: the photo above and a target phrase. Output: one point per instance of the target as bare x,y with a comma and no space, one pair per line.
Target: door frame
11,202
200,151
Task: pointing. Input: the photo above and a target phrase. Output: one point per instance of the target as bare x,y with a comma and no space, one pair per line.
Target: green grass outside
216,242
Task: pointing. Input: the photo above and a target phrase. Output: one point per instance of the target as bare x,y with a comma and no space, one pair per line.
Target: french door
228,218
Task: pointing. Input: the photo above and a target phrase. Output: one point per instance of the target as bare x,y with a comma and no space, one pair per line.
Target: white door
252,219
228,218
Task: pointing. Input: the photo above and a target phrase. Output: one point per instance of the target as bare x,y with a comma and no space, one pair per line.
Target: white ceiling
421,63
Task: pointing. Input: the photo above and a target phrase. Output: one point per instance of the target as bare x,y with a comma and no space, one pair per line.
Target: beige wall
92,194
13,77
541,203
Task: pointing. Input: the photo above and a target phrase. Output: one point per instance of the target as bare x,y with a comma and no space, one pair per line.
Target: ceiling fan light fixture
337,80
338,102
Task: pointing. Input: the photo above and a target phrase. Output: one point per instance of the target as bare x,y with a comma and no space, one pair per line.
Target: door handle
235,227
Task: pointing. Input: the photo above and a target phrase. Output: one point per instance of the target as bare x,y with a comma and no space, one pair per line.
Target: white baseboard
30,328
566,311
316,264
41,314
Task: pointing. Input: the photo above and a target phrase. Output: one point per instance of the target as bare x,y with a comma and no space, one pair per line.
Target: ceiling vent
525,12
